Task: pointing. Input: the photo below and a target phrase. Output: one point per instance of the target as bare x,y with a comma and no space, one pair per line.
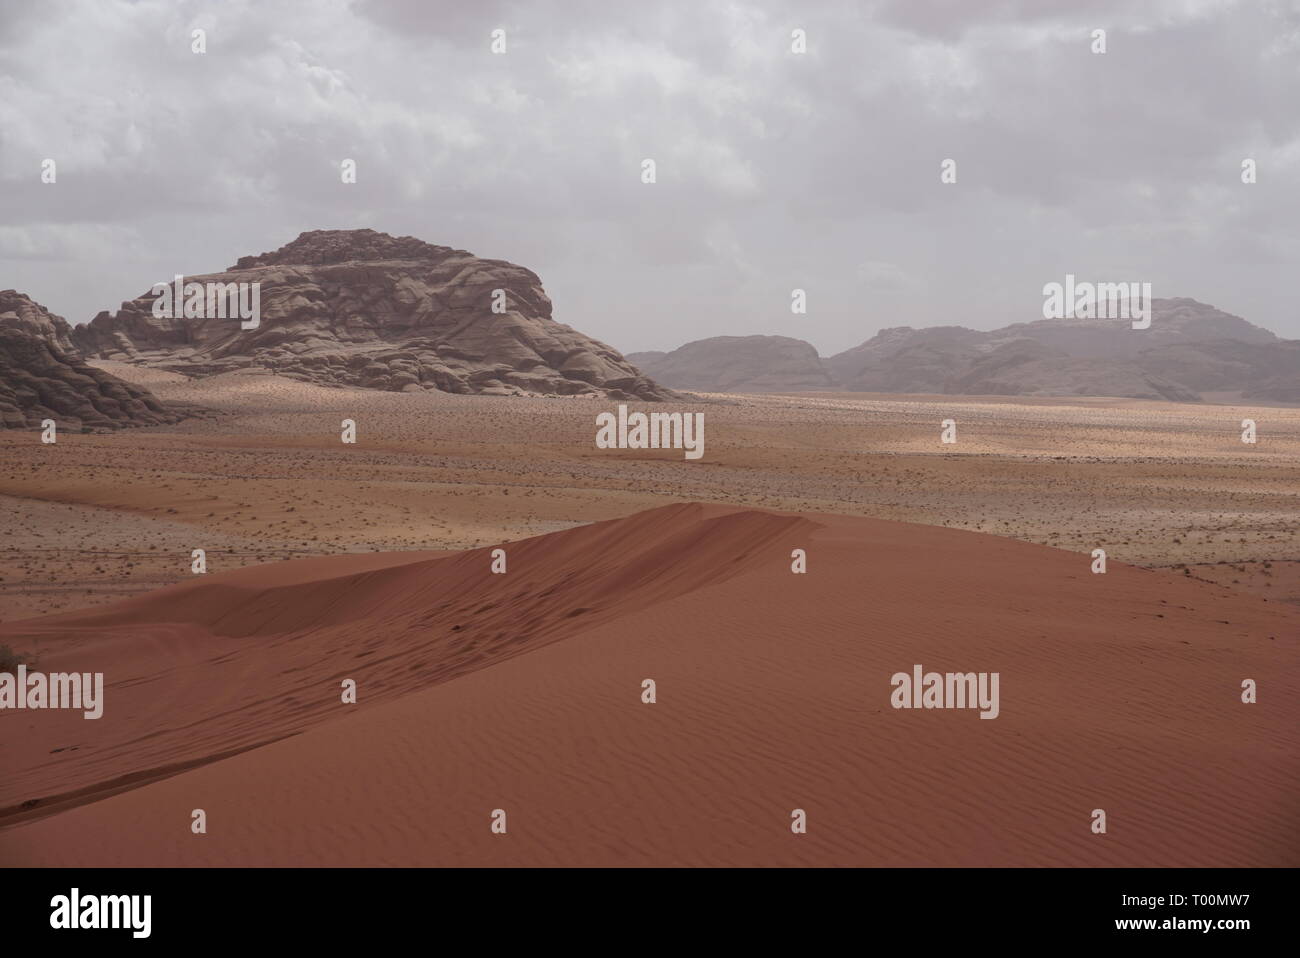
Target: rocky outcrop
1269,371
1190,347
21,312
43,377
1026,367
362,308
1173,321
643,359
740,364
1284,389
906,360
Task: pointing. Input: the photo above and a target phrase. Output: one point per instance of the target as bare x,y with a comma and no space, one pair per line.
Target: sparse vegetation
10,660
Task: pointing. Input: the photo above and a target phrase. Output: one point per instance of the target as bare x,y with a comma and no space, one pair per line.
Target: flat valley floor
1162,485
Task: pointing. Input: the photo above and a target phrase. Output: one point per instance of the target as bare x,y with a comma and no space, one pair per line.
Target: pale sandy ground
1158,484
523,692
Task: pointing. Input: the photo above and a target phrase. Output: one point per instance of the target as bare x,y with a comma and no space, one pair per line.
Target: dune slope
1118,691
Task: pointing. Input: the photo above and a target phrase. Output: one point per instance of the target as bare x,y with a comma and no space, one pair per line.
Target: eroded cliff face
43,377
361,308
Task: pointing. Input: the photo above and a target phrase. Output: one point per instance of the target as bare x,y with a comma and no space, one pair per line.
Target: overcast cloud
775,170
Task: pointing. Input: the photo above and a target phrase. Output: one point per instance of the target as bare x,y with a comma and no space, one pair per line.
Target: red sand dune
1118,691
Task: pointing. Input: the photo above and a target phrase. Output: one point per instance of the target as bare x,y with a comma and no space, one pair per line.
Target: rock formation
906,360
43,377
362,308
744,364
1269,371
1190,347
1027,367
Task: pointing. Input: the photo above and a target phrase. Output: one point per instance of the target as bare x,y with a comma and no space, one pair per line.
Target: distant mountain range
1190,348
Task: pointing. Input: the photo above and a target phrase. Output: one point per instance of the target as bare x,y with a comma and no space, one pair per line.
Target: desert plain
523,692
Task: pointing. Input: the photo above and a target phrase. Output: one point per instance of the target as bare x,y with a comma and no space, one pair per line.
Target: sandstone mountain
749,364
43,377
1173,321
362,308
1190,347
907,360
1269,371
646,358
1027,367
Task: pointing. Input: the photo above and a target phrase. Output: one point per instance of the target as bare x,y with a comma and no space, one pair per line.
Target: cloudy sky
776,170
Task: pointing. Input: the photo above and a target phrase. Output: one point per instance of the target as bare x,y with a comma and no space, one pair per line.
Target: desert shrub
10,660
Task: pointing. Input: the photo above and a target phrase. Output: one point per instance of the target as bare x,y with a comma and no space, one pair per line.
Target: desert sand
522,691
